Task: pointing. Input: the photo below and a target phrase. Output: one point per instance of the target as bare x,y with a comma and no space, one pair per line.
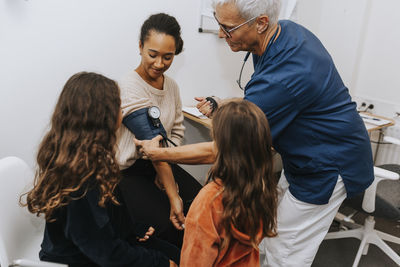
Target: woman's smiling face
158,52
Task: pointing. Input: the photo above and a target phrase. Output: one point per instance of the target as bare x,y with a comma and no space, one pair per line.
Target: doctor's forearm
200,153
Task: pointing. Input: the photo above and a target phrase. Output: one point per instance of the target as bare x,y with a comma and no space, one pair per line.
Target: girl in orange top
237,208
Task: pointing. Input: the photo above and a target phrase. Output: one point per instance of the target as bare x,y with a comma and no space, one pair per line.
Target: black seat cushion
383,208
388,189
387,203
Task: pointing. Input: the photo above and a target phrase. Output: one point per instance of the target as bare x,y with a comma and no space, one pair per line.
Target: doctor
315,127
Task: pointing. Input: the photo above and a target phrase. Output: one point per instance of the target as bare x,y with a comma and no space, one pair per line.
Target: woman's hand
172,264
149,233
204,106
176,213
148,148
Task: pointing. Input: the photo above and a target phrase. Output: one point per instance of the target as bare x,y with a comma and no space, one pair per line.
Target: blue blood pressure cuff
143,126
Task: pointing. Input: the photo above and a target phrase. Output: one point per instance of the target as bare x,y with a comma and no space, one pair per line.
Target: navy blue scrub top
314,123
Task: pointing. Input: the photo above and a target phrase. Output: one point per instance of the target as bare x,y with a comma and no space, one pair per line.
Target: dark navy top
314,123
85,234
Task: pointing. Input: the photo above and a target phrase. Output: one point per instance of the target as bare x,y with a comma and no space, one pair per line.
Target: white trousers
301,228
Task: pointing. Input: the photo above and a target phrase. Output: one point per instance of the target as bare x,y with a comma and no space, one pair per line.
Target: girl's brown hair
244,164
77,153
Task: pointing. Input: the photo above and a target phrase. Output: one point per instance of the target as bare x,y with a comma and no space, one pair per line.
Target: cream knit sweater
137,94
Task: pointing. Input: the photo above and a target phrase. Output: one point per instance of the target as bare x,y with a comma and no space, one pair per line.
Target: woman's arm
178,130
200,153
164,173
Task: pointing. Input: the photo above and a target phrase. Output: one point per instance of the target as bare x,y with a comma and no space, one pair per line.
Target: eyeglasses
226,31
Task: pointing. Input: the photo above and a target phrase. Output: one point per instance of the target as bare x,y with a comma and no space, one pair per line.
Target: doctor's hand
204,106
148,148
176,213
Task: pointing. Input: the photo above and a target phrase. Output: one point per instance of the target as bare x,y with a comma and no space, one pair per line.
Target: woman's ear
262,23
140,48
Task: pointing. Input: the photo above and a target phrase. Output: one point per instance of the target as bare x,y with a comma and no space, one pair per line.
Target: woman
150,190
76,184
237,208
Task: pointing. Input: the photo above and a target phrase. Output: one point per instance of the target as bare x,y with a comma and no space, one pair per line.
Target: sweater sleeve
88,226
178,129
134,95
201,240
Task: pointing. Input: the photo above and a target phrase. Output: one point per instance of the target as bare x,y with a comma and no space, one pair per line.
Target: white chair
367,233
21,233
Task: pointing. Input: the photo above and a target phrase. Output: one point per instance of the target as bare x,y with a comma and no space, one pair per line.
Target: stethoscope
248,54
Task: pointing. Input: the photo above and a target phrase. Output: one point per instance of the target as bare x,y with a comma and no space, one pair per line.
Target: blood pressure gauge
154,114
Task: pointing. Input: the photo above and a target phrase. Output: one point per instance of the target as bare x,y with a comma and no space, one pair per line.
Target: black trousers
147,204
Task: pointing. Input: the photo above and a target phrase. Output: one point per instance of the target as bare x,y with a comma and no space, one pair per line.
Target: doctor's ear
262,23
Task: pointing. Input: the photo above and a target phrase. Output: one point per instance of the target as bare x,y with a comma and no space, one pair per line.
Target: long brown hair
77,153
244,164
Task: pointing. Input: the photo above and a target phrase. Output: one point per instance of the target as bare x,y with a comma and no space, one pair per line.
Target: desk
370,127
204,122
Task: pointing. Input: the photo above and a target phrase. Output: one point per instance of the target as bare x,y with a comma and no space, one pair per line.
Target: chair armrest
382,174
31,263
370,194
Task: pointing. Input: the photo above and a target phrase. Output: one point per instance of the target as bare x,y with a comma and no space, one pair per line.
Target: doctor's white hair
252,8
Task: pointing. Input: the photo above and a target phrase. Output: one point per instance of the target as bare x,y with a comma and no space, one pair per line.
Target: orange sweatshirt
204,235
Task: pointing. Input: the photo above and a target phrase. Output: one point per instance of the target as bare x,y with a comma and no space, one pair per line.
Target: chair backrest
20,232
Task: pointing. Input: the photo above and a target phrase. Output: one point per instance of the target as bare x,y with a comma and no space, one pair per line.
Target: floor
341,252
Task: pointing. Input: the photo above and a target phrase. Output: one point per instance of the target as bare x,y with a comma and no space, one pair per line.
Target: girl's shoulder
86,205
212,187
207,208
210,195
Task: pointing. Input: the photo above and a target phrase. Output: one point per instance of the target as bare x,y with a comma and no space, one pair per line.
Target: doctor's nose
222,34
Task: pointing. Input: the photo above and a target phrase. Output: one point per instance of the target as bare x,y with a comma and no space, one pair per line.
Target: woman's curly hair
77,153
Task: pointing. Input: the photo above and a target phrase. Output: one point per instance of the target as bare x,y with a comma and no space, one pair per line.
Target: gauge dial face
154,112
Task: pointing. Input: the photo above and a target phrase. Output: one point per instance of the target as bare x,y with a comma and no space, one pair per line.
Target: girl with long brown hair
237,208
76,182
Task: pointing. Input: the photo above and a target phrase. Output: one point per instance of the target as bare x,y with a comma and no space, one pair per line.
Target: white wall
378,70
339,25
43,42
363,37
